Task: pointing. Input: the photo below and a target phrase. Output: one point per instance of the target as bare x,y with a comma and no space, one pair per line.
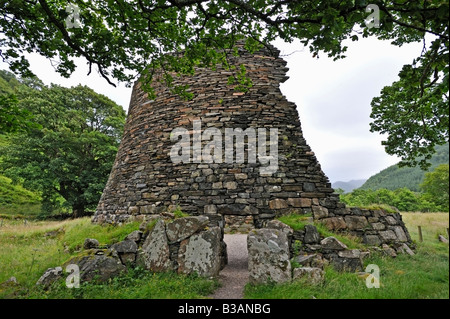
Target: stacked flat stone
145,181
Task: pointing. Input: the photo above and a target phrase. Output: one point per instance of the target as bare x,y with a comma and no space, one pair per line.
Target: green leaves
436,186
414,110
128,40
71,153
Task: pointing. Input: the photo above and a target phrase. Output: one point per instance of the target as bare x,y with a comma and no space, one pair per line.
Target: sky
332,97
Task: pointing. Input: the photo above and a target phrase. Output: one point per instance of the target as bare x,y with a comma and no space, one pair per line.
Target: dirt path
235,275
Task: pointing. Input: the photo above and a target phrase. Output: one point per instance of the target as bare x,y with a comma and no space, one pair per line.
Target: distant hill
348,186
395,177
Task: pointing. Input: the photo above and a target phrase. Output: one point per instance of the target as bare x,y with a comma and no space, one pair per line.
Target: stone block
356,222
334,223
268,256
313,276
201,254
319,212
182,228
155,250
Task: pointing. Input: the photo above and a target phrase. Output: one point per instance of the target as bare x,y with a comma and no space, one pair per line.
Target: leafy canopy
126,39
69,156
436,186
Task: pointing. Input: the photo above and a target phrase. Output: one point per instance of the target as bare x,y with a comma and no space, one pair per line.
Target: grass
136,284
424,276
26,251
298,222
16,201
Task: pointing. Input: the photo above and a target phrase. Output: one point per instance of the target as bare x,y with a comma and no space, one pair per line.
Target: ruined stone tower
146,180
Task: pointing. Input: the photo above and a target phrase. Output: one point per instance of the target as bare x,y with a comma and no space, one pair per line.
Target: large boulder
50,276
155,250
126,250
312,235
356,222
97,267
183,228
334,223
331,243
268,256
201,254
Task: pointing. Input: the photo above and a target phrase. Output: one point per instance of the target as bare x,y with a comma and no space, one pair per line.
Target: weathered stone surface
126,250
350,253
135,236
98,267
312,260
334,223
201,254
312,236
155,250
389,251
355,222
183,228
319,212
276,224
313,276
278,204
404,249
391,220
332,243
387,236
378,226
268,256
443,239
400,233
372,240
50,276
299,202
90,243
350,264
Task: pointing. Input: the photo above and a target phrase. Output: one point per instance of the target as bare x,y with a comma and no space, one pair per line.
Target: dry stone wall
145,181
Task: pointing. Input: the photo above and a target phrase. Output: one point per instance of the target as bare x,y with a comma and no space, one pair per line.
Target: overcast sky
332,97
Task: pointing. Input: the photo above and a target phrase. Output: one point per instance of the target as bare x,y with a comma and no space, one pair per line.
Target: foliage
127,39
414,110
402,199
69,156
423,276
14,199
436,186
395,177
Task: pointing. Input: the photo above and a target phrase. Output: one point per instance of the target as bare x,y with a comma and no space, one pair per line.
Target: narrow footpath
235,275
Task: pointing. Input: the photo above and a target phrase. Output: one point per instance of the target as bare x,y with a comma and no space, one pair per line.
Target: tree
71,156
125,39
436,186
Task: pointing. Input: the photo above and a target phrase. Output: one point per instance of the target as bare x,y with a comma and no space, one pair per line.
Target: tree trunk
78,210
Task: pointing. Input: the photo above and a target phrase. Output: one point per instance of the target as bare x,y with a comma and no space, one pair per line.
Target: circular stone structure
222,152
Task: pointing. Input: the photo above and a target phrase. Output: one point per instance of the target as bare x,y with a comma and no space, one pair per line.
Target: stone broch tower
144,179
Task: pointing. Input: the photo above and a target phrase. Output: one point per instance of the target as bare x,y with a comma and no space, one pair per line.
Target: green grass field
423,276
27,250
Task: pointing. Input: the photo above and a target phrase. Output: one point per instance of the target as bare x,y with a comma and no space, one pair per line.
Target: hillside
348,186
395,177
